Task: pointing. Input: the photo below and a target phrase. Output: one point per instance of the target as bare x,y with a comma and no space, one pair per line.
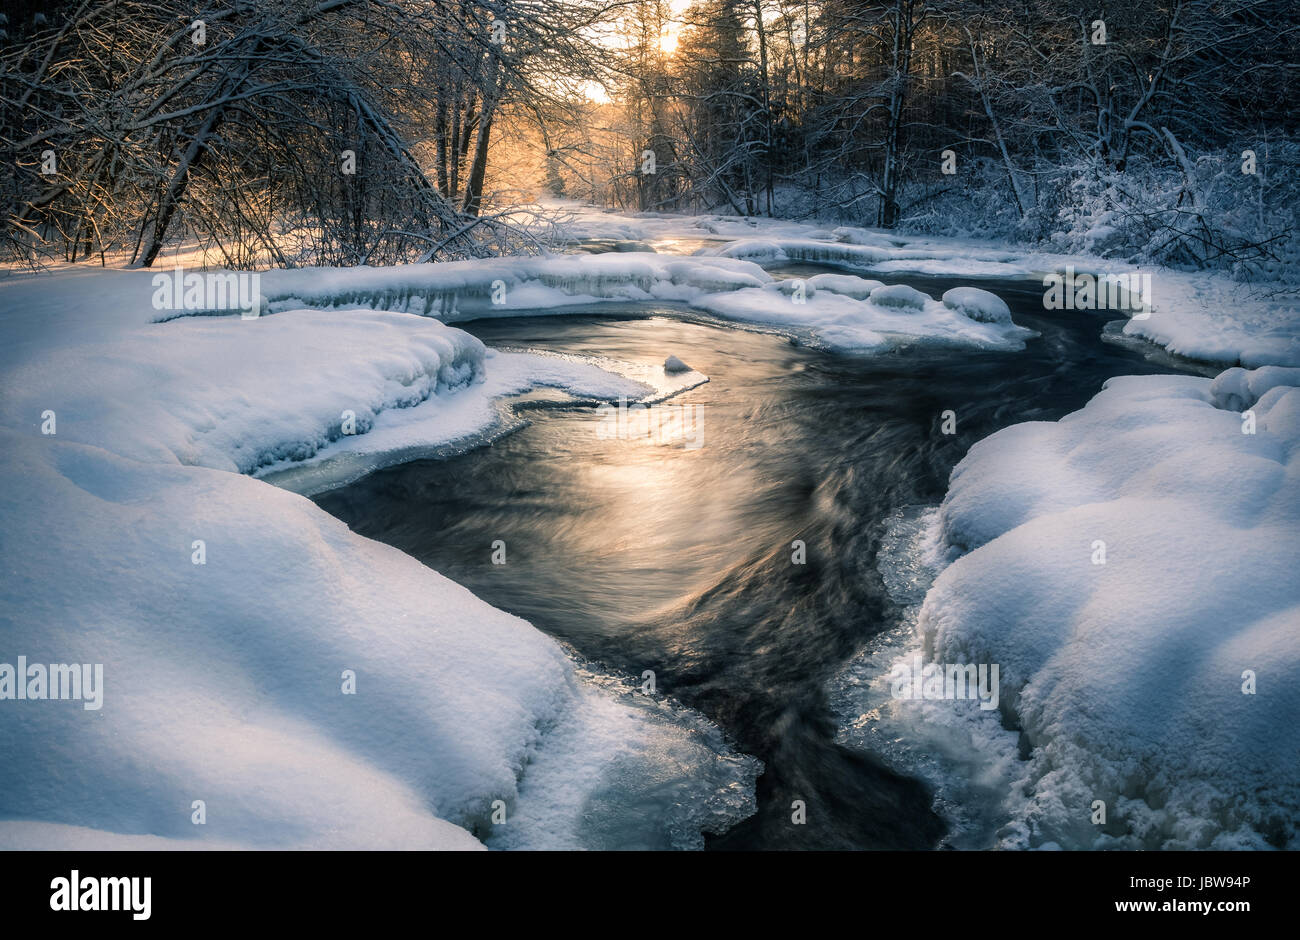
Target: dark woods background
459,115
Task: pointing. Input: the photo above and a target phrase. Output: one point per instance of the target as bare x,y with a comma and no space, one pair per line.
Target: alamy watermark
81,893
209,291
82,682
1128,292
663,423
939,681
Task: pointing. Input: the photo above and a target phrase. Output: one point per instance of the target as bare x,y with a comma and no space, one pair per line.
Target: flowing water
649,554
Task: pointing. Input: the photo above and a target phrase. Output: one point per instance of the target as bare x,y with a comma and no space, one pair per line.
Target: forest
341,132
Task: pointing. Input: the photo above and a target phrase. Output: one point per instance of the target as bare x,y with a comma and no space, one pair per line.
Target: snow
224,681
1128,686
899,295
977,304
850,314
888,317
858,288
673,364
1201,315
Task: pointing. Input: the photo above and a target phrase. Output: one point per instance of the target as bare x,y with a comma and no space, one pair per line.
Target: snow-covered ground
1201,315
129,441
230,615
1131,569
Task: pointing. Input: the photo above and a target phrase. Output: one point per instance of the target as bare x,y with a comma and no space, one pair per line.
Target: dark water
647,555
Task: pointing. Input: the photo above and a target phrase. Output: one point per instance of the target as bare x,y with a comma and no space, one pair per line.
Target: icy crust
874,251
223,681
963,752
839,311
594,783
462,290
445,424
1126,677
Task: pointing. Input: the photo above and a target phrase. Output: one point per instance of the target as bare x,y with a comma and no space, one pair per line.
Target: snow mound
1238,389
1131,568
673,364
900,295
224,681
859,288
238,394
977,304
887,318
229,615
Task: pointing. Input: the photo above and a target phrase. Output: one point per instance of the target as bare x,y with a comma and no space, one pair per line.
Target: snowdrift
230,616
223,681
838,311
1132,568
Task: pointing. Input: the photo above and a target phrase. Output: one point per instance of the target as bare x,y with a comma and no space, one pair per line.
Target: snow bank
1217,321
1131,568
229,615
239,394
223,682
1199,315
852,313
298,388
463,290
870,251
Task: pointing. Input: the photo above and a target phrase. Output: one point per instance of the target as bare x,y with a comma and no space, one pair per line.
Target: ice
963,752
